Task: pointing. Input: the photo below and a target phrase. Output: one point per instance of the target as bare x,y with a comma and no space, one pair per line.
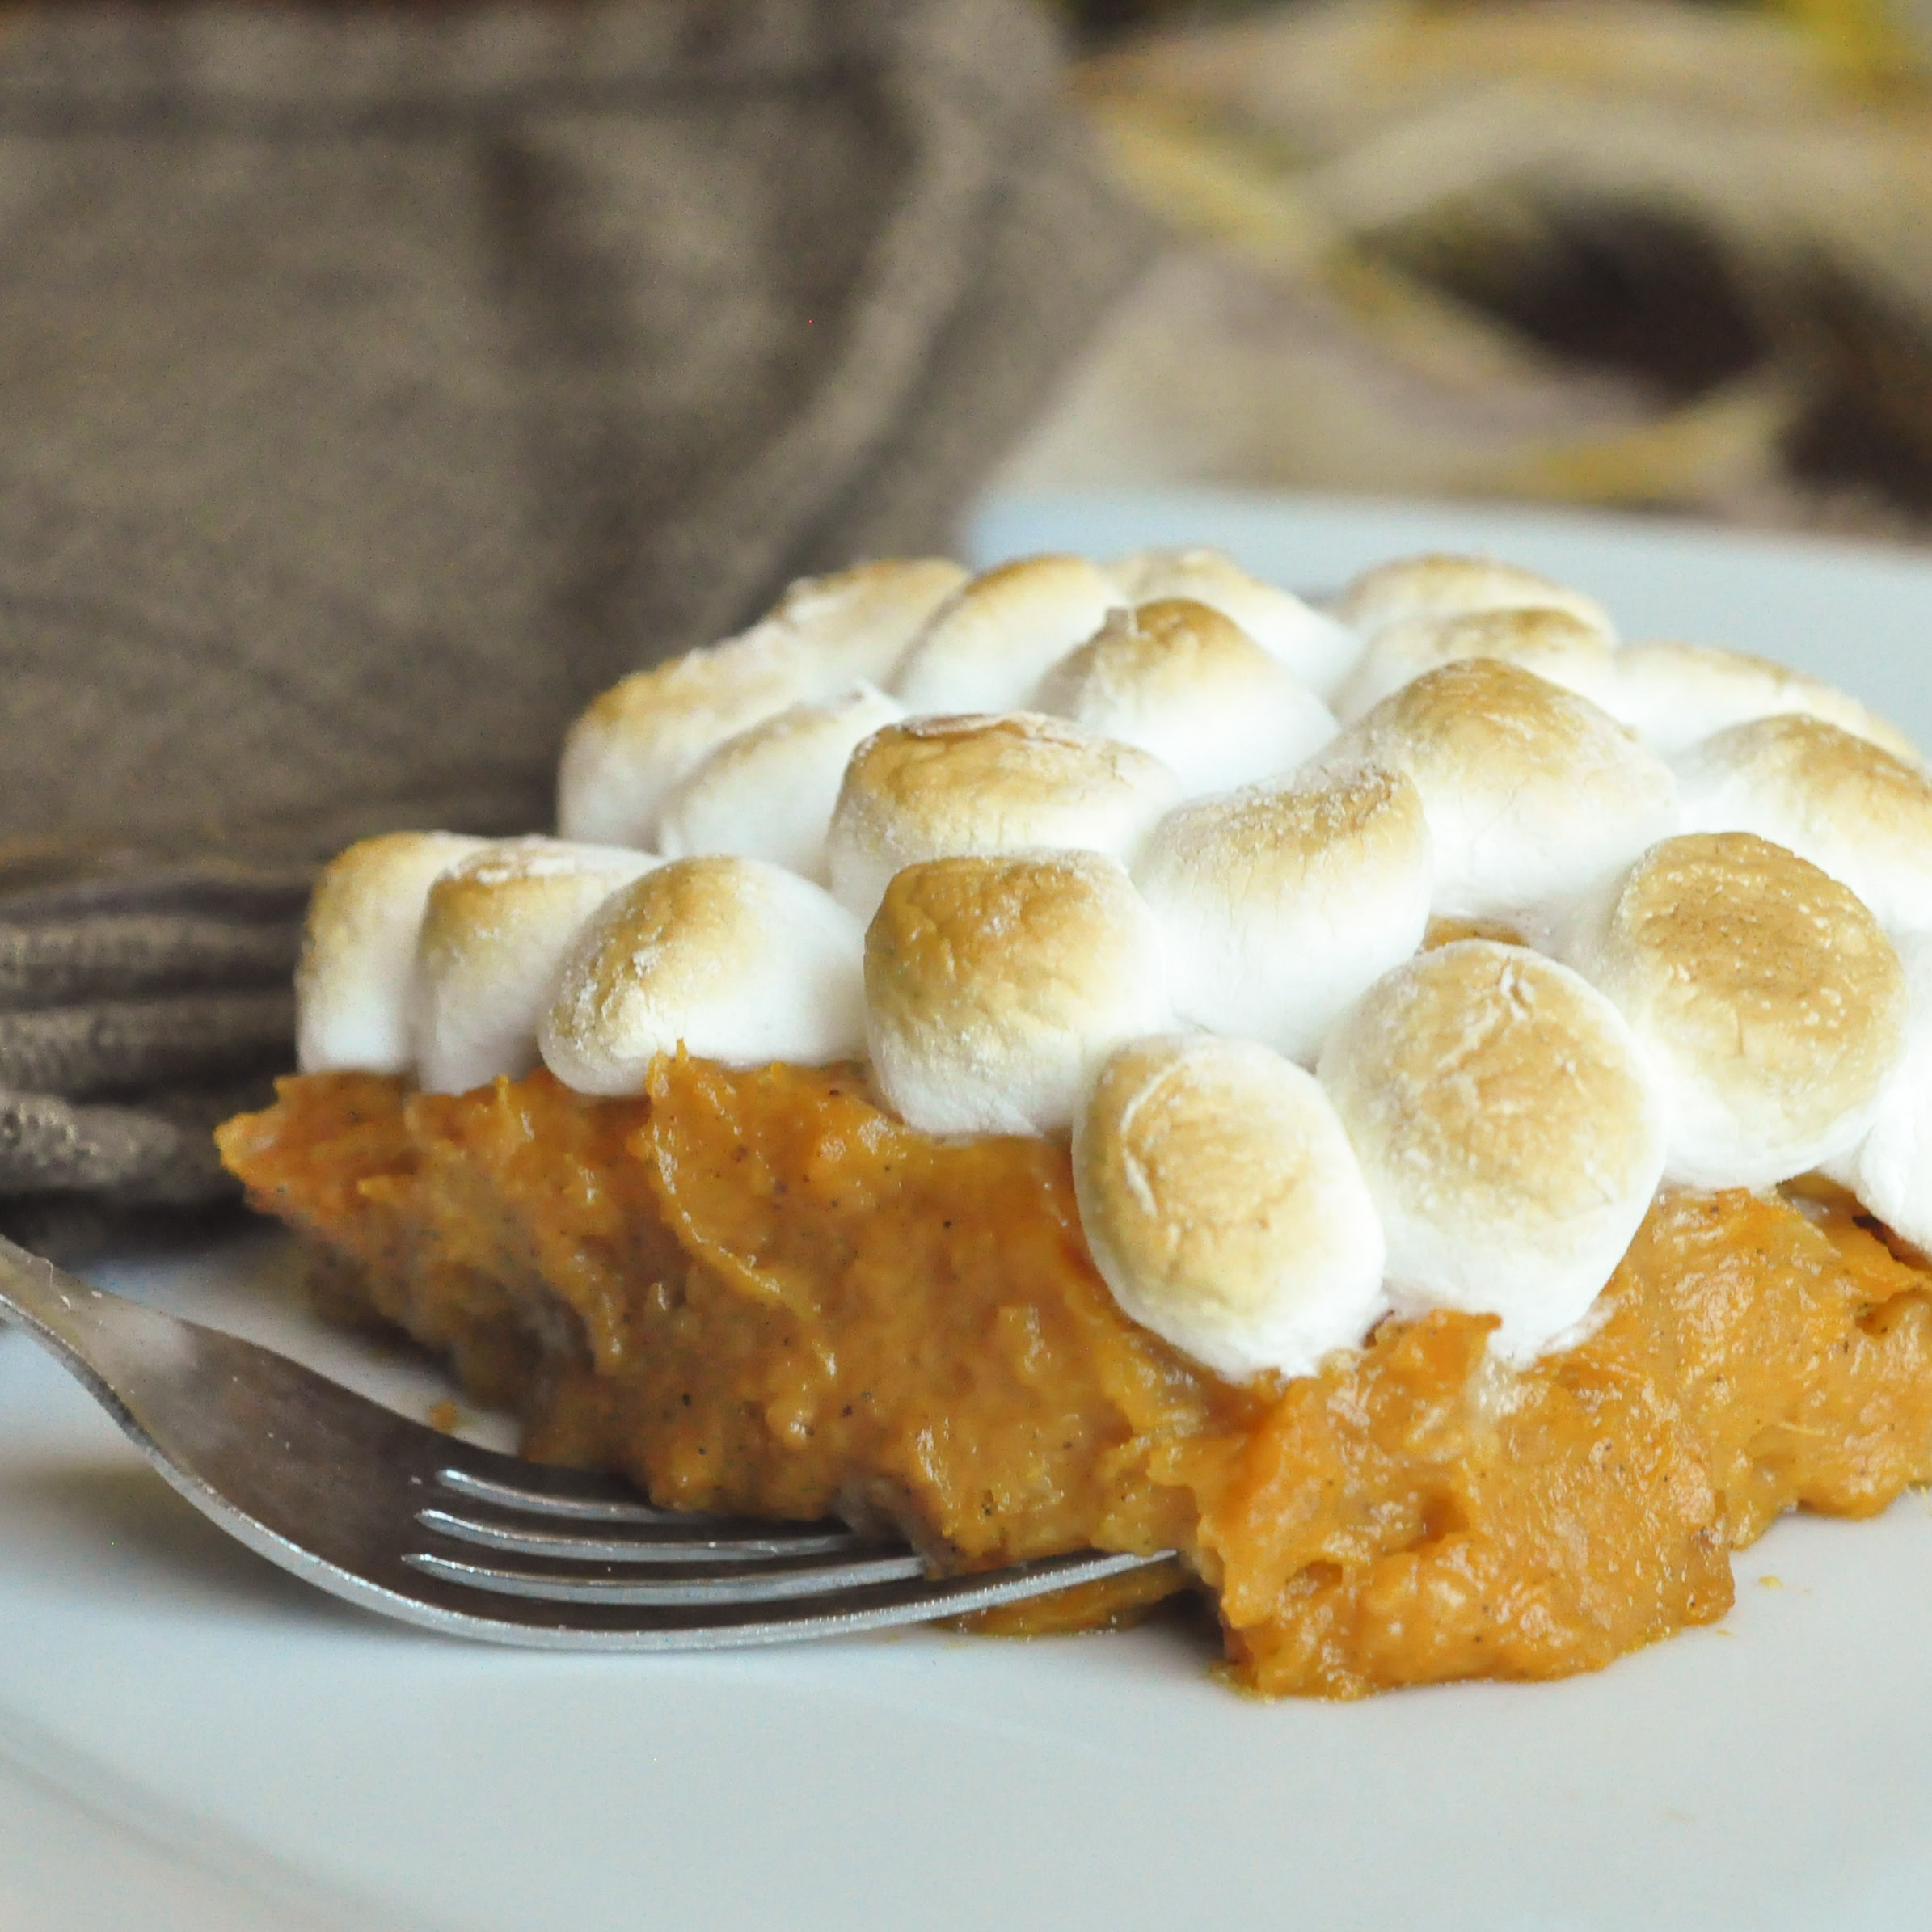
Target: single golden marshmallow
1440,586
359,948
1224,1207
933,787
1319,650
1764,994
769,792
636,742
1279,905
731,959
1851,808
496,931
1509,1132
1557,645
1672,694
987,648
1190,686
1533,794
995,986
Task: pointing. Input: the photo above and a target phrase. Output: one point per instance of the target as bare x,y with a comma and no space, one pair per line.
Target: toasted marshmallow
1438,586
1557,645
497,929
990,645
995,987
933,787
733,959
1672,694
1508,1130
1315,647
1764,994
359,950
1533,795
1853,810
1279,905
769,792
1225,1208
1181,681
1891,1168
636,742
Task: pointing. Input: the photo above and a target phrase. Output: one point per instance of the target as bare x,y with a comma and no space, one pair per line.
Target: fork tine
671,1541
726,1584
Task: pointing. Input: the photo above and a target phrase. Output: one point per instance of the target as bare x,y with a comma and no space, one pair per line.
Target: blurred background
1656,256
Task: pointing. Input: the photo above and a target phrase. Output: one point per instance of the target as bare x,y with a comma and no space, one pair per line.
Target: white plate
198,1741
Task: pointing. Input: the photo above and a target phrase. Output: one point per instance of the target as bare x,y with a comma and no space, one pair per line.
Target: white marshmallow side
1852,809
1533,795
359,947
1189,685
1509,1132
633,744
1437,585
1279,906
768,793
733,959
996,986
1672,694
1556,645
1225,1208
989,645
935,787
1765,997
495,933
1320,651
1890,1169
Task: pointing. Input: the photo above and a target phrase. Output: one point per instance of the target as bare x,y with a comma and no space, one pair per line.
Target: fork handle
87,1327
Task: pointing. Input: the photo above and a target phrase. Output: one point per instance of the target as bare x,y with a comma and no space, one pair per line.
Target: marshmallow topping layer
933,787
1179,680
1224,1206
1532,794
1852,809
1765,997
1279,906
995,986
1441,586
1557,645
359,951
497,926
1508,1130
731,959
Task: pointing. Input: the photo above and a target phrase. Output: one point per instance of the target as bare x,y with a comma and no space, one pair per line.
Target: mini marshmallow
1189,685
1890,1170
1672,694
1225,1208
731,959
633,744
1509,1131
1853,810
1439,586
1279,905
1533,795
359,948
1764,996
769,792
990,645
1317,649
995,987
1557,645
496,931
933,787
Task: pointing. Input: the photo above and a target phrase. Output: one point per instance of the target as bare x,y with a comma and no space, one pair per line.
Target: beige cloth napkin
377,385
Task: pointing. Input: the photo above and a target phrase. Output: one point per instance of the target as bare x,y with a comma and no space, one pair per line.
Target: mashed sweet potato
756,1292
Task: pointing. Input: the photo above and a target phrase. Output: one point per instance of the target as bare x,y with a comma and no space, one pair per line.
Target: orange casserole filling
756,1292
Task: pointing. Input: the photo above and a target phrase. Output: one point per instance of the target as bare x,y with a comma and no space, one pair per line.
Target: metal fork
425,1527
